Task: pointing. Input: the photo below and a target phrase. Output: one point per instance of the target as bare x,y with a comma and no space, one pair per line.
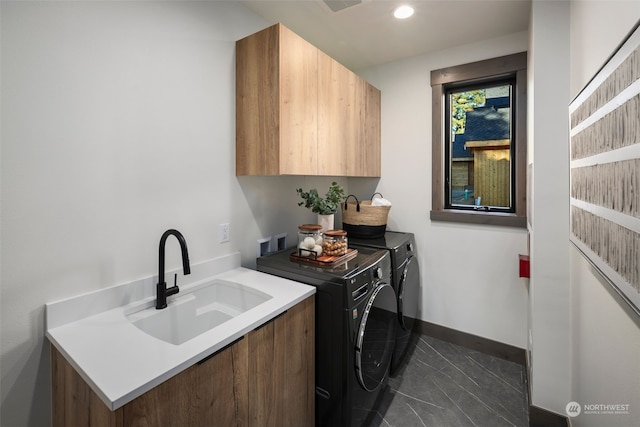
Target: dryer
356,312
406,283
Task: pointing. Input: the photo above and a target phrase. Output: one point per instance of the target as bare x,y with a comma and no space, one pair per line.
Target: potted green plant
325,207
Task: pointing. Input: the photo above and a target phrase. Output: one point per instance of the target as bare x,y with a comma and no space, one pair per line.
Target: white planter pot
326,222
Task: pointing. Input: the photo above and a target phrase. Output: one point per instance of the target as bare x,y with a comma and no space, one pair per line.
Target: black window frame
477,74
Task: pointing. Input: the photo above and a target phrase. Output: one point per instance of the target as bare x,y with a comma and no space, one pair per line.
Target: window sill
481,218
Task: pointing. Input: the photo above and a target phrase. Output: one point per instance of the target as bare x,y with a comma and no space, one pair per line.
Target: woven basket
361,220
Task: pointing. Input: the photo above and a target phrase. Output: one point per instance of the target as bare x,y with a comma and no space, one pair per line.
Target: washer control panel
366,280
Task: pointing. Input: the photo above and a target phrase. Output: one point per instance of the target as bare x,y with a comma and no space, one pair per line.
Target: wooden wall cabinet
300,112
264,379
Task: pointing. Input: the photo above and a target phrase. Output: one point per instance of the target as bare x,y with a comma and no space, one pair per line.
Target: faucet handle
174,289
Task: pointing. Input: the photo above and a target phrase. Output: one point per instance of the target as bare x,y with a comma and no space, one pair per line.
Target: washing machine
406,284
356,324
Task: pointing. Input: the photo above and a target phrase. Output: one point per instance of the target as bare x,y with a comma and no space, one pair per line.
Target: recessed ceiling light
403,12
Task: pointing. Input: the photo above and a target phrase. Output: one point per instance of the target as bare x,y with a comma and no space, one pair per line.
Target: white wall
549,303
606,334
469,272
117,124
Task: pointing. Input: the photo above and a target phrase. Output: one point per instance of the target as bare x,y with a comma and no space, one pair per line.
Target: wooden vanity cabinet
300,112
266,378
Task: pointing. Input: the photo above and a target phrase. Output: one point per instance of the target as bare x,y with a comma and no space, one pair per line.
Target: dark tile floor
447,385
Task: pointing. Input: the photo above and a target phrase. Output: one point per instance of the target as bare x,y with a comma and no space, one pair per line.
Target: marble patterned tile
447,385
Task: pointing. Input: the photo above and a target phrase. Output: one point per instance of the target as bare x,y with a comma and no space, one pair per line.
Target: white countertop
120,362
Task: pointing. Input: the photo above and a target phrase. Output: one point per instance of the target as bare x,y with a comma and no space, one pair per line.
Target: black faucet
161,287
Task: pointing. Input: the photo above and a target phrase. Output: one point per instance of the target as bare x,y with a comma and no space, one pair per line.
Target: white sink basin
194,312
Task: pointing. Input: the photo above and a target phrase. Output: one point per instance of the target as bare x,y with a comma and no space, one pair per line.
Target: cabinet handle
221,350
323,393
271,320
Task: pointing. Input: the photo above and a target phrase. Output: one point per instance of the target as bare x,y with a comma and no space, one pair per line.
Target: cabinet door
369,145
337,117
282,369
222,388
300,384
212,392
257,110
276,104
298,103
348,122
73,401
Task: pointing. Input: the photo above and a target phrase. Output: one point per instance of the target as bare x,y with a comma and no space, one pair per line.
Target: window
479,142
478,147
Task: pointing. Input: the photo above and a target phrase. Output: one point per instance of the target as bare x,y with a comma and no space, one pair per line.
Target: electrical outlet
264,246
280,241
225,230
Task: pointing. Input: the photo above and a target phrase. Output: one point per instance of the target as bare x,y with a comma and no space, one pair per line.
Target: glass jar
310,240
334,243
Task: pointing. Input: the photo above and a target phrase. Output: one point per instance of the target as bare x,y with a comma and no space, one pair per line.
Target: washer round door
408,290
376,337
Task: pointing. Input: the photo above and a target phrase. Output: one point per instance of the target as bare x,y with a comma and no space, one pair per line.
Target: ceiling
365,33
